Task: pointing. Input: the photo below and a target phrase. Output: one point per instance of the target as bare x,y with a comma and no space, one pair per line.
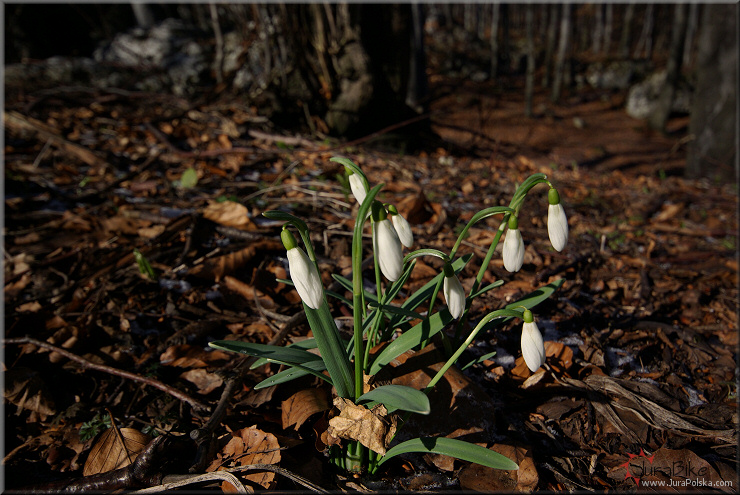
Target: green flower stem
358,304
499,313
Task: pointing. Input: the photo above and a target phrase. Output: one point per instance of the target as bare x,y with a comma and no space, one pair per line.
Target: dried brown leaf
249,446
109,453
482,478
26,389
216,268
302,405
205,381
229,214
190,356
373,428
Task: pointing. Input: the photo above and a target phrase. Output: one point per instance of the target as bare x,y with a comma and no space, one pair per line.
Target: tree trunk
624,39
552,30
713,122
690,31
418,89
598,28
659,117
608,25
529,84
494,39
358,57
645,43
563,45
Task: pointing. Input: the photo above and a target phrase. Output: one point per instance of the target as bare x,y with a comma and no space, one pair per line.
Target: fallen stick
17,122
110,370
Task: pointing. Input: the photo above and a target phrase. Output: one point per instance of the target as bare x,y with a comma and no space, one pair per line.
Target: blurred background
352,69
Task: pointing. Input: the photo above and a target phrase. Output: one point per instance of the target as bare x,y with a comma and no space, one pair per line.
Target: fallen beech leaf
561,352
249,446
215,268
301,405
108,453
481,478
205,381
190,356
248,292
229,214
371,427
26,389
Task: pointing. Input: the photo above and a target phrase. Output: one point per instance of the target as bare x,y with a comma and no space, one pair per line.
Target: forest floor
641,337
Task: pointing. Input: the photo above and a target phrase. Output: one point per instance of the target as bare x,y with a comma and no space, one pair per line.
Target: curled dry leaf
249,446
217,267
190,356
109,453
485,479
229,214
373,428
26,389
205,381
301,405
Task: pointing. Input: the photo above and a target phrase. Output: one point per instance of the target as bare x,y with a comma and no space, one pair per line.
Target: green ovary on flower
454,293
533,348
388,249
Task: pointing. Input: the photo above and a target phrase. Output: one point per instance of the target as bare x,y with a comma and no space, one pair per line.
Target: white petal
305,277
358,188
533,348
454,295
513,250
403,229
388,250
557,226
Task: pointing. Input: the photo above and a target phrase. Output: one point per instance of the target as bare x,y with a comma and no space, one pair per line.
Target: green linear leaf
485,289
302,344
531,300
455,448
311,368
411,338
395,397
332,348
397,310
285,355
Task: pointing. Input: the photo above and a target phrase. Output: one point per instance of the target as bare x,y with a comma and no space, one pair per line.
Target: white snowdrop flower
513,247
453,292
358,187
533,348
303,272
403,229
557,222
388,247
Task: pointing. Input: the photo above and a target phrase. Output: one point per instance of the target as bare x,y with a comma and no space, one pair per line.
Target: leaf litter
640,339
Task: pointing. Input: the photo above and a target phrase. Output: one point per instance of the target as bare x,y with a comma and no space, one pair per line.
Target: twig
184,480
112,371
203,436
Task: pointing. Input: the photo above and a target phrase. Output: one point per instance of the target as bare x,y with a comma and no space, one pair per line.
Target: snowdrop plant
394,326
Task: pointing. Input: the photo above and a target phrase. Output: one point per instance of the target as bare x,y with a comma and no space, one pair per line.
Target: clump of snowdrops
400,327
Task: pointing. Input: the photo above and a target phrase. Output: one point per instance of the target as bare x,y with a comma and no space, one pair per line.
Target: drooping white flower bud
303,272
403,229
357,186
533,348
513,247
388,247
453,292
557,222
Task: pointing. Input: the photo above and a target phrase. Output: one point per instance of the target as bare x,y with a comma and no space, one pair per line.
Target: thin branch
110,370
